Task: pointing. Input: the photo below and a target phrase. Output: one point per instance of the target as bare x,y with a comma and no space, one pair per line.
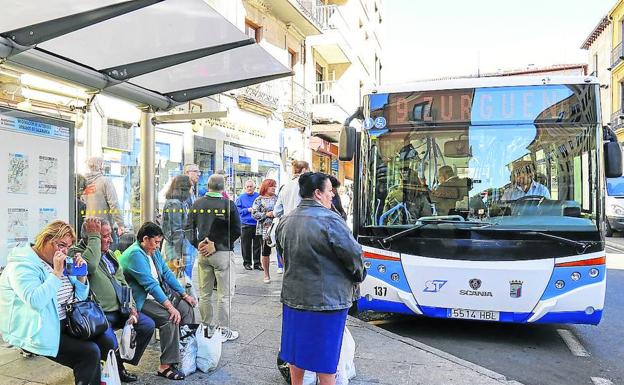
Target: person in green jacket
158,294
105,275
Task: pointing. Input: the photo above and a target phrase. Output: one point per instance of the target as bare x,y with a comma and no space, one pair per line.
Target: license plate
482,315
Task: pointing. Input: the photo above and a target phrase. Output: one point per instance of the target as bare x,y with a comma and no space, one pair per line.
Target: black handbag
85,319
173,296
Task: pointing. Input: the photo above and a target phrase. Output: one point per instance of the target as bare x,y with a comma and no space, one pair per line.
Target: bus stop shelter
154,53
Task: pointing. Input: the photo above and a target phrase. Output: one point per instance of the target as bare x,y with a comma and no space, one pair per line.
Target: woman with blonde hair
34,291
262,212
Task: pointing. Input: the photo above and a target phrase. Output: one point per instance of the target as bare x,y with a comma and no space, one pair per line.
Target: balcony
617,55
262,98
296,105
330,102
617,120
302,14
332,45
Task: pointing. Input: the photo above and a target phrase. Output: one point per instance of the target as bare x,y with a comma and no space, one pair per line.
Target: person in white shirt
524,184
288,199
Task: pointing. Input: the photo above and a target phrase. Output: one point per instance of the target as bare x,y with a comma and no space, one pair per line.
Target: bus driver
524,183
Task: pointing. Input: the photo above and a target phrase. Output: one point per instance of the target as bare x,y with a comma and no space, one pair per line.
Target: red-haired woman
262,211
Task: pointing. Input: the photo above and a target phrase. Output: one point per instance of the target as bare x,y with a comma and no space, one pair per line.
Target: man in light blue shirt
525,185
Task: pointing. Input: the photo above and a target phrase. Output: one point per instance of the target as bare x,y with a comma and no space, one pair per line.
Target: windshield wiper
430,221
581,245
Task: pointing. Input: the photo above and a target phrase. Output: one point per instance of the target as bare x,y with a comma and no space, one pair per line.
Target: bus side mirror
347,143
613,160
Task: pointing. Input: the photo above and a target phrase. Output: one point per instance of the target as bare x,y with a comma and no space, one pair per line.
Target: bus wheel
608,230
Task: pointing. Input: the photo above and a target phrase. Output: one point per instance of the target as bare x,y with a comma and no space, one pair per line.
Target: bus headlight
367,264
575,276
593,272
617,210
559,284
381,269
394,277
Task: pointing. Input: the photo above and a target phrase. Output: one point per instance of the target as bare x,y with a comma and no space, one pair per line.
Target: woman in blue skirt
322,264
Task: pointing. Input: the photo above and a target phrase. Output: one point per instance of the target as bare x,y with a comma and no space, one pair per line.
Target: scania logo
475,283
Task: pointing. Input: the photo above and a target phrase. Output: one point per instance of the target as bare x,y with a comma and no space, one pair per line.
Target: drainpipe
146,181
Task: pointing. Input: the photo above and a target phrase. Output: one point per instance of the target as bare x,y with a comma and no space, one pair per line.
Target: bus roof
484,82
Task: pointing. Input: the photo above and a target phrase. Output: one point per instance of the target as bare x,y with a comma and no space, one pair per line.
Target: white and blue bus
483,198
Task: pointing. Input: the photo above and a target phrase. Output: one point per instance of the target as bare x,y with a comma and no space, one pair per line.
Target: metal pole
148,150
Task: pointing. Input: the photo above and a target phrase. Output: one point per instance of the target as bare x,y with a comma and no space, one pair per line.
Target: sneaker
228,334
267,280
280,270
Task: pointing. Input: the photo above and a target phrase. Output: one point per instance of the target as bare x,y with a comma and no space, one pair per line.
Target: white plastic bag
188,351
127,347
346,365
208,349
110,373
309,378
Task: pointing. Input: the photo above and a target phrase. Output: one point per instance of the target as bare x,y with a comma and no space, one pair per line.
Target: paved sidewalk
381,357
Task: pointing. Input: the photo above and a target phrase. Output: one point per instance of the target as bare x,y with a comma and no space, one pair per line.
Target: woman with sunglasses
34,290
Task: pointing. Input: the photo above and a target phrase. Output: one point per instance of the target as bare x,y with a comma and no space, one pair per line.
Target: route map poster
18,174
36,166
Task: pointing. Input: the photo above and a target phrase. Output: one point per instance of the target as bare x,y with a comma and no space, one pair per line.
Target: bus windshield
515,173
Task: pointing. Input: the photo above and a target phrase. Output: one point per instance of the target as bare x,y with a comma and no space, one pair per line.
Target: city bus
482,199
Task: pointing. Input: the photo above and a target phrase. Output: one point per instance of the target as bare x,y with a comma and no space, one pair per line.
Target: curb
442,354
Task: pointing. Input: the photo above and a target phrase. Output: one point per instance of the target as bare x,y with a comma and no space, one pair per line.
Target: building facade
333,50
598,46
616,16
344,60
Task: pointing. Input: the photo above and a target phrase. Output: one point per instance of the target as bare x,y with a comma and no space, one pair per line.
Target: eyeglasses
61,246
197,171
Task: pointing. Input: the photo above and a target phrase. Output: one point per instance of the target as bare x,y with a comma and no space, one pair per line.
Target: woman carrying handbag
34,293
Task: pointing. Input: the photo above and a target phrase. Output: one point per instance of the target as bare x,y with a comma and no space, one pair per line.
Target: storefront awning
156,53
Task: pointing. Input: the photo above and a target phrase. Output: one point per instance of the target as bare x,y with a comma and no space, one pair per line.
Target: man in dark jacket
104,275
215,219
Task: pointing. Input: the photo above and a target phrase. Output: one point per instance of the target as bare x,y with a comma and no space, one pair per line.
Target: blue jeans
144,330
279,259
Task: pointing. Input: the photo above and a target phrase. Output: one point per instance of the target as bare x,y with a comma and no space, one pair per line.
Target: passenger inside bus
450,190
524,183
408,199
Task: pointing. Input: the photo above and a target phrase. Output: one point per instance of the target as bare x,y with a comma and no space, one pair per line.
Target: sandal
171,373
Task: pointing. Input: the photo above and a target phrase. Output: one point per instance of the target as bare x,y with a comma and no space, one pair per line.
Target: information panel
36,174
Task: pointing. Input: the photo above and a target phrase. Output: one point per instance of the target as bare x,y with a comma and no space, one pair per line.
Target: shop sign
233,130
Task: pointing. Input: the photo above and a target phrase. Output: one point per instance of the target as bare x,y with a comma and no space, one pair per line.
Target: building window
595,63
292,58
253,30
320,73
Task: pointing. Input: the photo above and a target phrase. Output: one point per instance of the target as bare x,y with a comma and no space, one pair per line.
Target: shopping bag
309,378
110,373
208,349
188,350
127,347
346,365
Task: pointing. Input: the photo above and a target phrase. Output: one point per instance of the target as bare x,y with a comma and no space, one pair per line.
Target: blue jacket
136,267
243,202
28,303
